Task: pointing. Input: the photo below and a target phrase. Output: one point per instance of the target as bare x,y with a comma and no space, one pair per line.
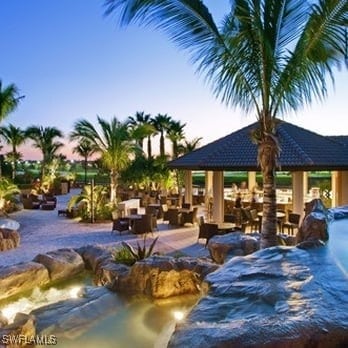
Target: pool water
338,243
140,323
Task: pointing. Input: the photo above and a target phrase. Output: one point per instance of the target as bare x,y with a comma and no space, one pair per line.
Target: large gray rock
71,318
22,277
314,226
223,247
22,329
62,264
165,276
276,297
9,239
108,273
94,255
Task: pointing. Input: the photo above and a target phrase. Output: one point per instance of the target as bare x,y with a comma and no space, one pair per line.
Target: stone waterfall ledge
276,297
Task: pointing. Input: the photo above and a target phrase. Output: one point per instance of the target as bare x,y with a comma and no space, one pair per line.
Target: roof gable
301,149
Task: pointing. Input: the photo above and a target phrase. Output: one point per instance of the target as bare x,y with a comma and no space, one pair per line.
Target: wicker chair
207,231
143,225
28,203
120,225
292,223
174,217
190,217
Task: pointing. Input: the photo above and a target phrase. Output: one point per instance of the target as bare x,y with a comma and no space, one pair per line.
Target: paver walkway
43,230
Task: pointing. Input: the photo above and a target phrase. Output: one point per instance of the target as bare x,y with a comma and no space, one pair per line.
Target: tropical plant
9,99
123,255
44,139
13,136
141,127
161,124
93,201
189,146
112,142
141,252
268,57
7,191
175,134
84,149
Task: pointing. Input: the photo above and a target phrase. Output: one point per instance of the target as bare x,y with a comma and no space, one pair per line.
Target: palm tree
9,101
175,134
161,124
141,127
136,123
44,139
189,146
13,136
84,149
267,56
112,141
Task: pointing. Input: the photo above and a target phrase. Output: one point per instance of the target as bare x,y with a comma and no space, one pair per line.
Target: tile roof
301,149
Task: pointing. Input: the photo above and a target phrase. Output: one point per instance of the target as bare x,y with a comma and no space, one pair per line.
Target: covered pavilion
301,151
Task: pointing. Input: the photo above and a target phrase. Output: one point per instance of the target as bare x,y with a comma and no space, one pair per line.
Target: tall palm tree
141,127
9,101
175,134
84,149
45,139
13,136
267,56
140,119
112,141
189,146
161,124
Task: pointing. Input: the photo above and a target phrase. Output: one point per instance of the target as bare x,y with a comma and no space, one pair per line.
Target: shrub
124,256
141,252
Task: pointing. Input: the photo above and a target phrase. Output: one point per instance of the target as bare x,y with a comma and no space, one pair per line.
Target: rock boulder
276,297
314,226
62,263
22,277
23,329
165,276
223,247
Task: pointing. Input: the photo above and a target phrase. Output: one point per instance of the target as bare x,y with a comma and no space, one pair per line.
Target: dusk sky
71,62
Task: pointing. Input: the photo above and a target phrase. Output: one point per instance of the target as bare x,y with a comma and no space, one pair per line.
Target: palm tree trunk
13,165
149,147
85,170
267,155
162,150
113,187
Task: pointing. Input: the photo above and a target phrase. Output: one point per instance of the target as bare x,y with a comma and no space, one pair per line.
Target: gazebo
301,151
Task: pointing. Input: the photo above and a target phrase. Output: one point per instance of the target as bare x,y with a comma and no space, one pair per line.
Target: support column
208,187
218,197
305,183
342,188
297,193
188,186
334,189
251,180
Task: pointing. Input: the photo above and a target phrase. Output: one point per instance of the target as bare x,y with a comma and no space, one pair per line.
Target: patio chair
120,225
292,223
165,214
174,217
207,231
190,217
143,225
186,205
28,203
